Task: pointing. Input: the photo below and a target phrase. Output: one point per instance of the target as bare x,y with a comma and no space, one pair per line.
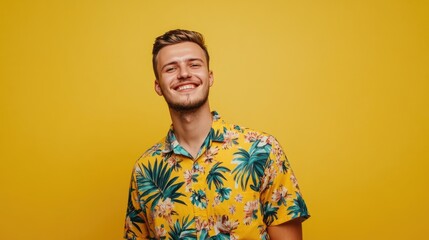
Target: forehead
180,52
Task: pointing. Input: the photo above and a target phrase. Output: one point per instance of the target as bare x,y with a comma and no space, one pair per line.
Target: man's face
184,78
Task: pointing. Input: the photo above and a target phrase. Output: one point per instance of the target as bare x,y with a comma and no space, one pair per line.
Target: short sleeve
281,198
135,227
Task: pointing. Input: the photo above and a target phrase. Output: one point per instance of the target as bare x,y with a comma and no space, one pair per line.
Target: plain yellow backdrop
342,84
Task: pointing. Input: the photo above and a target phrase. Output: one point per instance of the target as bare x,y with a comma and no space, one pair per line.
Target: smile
185,87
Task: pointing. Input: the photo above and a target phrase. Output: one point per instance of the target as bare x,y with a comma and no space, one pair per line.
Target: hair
174,37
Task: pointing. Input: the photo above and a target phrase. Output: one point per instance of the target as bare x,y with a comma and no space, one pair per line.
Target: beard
189,105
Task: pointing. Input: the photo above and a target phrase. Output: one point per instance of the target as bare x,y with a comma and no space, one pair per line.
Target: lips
184,87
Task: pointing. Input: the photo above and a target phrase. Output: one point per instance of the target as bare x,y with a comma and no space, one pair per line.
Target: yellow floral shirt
239,183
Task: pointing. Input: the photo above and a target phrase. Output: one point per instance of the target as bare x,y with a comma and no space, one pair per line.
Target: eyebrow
186,60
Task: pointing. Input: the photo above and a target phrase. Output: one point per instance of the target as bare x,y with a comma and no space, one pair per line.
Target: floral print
250,211
239,184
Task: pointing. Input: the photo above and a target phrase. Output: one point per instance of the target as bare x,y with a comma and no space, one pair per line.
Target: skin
180,65
291,230
184,80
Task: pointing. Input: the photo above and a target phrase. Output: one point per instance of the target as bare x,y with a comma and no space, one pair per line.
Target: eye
195,65
170,69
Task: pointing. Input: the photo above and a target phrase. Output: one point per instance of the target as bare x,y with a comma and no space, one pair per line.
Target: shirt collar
215,135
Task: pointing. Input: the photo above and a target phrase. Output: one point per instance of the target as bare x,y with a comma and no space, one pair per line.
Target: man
208,179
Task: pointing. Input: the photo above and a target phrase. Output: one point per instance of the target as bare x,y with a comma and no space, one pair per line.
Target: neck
191,128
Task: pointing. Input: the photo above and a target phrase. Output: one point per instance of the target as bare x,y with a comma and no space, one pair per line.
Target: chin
187,107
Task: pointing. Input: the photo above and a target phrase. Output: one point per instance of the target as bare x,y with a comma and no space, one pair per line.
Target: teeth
184,87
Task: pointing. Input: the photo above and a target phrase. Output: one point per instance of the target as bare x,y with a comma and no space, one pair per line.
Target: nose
184,73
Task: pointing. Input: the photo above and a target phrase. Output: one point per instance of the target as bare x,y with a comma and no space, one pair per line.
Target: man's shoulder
155,151
227,126
247,134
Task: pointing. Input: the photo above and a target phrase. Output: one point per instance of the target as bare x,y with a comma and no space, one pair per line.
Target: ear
157,87
211,78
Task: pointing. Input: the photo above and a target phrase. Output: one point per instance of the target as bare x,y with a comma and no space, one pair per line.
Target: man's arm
291,230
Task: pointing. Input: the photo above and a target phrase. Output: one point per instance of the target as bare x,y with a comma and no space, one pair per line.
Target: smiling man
208,179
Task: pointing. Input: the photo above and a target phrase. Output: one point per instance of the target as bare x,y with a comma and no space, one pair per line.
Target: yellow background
342,84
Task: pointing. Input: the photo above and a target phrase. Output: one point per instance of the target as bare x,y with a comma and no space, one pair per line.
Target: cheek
203,76
167,79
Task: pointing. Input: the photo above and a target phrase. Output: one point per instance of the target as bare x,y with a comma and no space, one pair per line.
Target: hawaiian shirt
239,183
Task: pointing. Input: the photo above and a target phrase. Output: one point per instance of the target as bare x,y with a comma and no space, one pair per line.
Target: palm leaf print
269,212
298,209
215,175
183,230
133,213
223,193
199,198
216,136
250,164
155,183
134,216
221,236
